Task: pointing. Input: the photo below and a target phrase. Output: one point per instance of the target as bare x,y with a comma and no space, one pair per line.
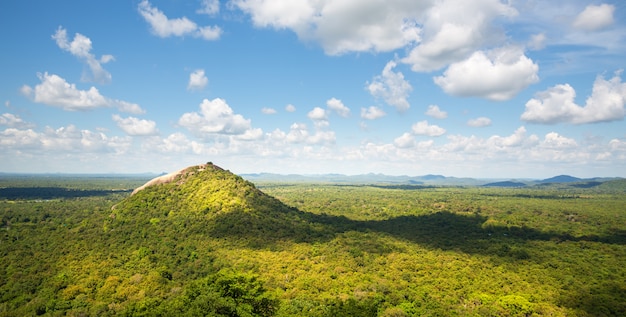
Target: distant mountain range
370,178
380,179
561,179
429,179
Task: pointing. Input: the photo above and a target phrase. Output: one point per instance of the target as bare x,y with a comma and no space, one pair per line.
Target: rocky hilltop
210,200
200,188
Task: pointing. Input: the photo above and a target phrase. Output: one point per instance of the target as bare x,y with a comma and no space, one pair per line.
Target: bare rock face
168,178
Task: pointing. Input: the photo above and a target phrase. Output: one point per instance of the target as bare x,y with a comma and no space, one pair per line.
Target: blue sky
481,88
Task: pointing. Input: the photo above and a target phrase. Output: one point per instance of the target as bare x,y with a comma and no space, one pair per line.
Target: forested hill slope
205,188
210,200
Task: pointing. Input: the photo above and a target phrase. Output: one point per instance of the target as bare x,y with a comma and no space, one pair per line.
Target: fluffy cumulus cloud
518,138
556,141
163,26
197,80
595,17
80,47
423,128
452,30
518,145
319,116
338,107
299,134
215,117
406,140
180,145
55,91
66,140
20,139
290,108
498,74
391,87
479,122
557,104
209,7
342,26
372,113
136,127
12,121
435,112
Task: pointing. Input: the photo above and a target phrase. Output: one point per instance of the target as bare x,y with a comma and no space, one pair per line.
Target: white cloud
266,110
537,41
435,112
423,128
197,80
127,107
453,29
55,91
250,135
595,17
299,134
437,33
479,122
391,87
341,26
517,147
162,26
209,33
63,140
136,127
496,75
338,107
557,104
19,138
406,140
322,137
210,7
215,117
372,113
12,121
317,114
80,47
516,139
618,145
173,143
290,108
106,58
554,140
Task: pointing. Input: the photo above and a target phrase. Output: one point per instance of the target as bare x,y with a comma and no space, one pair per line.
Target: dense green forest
210,243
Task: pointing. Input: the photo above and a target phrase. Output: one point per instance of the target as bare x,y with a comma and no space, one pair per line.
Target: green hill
614,185
208,199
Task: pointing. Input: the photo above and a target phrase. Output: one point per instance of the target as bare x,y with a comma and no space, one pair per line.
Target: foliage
211,243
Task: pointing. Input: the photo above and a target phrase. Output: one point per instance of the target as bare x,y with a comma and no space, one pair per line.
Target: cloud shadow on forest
440,230
26,193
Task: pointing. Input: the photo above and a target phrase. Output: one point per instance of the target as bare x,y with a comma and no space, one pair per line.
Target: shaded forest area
315,250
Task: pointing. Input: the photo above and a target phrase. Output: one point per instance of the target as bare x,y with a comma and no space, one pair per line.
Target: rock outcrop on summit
167,178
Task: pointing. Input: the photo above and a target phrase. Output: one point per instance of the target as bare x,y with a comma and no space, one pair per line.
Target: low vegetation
211,243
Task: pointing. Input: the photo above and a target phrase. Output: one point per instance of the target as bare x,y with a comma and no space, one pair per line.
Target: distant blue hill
431,177
560,179
505,184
